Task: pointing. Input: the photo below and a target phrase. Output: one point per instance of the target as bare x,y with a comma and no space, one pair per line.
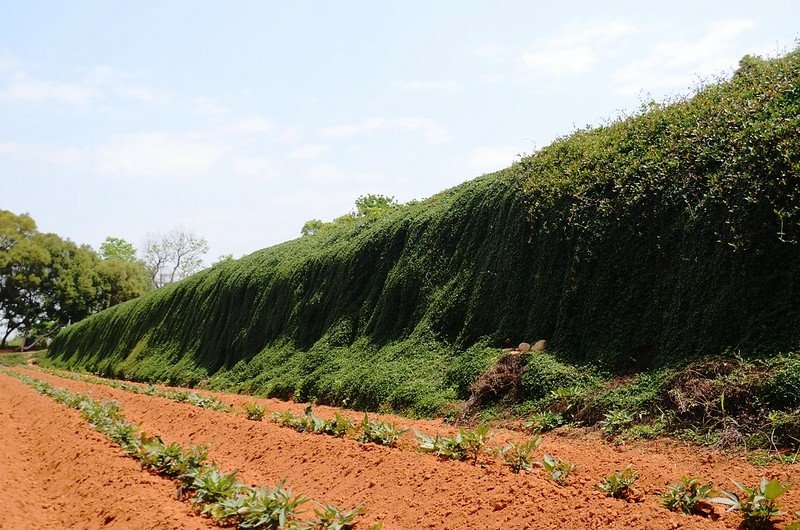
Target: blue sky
242,120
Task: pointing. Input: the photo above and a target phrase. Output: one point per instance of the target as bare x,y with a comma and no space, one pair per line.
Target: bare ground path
407,490
56,472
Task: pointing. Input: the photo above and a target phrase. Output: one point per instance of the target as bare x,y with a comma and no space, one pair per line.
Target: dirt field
68,476
56,472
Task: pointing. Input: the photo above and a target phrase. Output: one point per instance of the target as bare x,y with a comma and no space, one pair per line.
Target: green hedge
632,246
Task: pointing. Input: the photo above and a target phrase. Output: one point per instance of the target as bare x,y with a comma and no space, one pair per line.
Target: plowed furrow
405,489
56,472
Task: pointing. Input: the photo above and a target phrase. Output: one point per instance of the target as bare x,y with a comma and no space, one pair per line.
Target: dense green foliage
47,282
367,207
117,248
634,248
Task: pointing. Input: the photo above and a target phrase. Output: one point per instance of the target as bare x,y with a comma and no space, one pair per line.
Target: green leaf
773,489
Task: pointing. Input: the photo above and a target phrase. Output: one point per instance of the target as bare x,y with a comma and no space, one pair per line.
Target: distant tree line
47,282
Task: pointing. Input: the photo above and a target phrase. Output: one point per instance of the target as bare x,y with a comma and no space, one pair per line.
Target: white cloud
309,151
69,158
90,85
249,125
157,154
9,61
261,167
103,75
333,174
290,136
351,129
561,61
489,50
593,32
22,87
484,159
576,49
431,131
674,64
430,86
13,149
142,93
208,107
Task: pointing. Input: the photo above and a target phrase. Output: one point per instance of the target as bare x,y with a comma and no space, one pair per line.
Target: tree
121,276
120,281
117,248
312,227
173,256
367,207
374,205
47,282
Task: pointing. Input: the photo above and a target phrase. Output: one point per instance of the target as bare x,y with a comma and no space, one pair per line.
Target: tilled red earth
399,487
56,472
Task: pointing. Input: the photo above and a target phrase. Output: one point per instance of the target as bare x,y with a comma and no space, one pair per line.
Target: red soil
404,489
56,472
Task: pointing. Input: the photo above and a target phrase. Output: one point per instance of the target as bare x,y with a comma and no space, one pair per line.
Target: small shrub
641,431
544,374
254,411
288,419
310,422
126,435
212,487
339,426
518,456
615,421
619,484
758,504
686,496
379,432
559,470
467,444
544,421
157,456
330,517
203,402
265,508
567,399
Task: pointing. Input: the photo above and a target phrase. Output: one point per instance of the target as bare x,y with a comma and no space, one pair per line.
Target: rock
524,346
539,345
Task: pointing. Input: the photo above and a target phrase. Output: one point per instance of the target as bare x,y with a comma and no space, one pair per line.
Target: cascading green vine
658,239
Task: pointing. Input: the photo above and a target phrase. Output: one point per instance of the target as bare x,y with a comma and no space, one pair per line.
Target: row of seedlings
691,496
213,492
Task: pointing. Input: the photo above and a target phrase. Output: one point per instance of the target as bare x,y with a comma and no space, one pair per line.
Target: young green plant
254,411
688,496
619,484
379,432
559,470
518,456
757,504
